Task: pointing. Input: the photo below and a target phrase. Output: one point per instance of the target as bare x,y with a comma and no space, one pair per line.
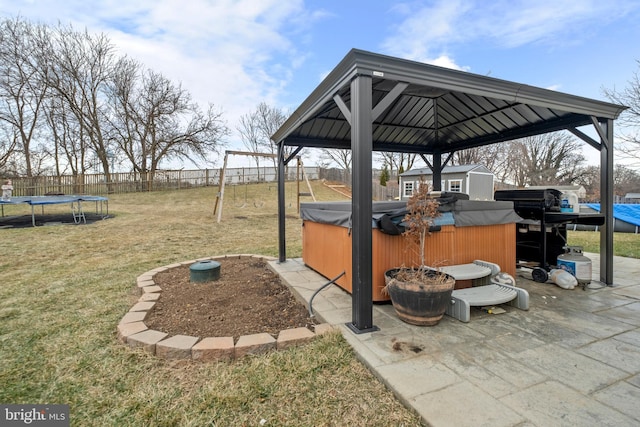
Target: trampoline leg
78,213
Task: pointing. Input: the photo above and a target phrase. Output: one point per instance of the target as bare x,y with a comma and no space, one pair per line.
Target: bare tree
494,157
269,121
22,92
630,118
471,156
625,180
590,180
152,120
124,122
251,135
8,143
552,158
78,66
69,150
398,162
341,158
69,90
257,127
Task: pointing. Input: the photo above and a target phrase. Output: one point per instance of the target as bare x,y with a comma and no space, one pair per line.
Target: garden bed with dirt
247,299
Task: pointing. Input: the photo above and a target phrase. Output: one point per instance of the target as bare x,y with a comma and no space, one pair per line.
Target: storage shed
474,180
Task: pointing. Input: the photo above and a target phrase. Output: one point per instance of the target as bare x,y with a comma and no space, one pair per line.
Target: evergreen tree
384,176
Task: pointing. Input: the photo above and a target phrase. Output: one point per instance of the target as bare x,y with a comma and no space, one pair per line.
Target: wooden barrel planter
419,297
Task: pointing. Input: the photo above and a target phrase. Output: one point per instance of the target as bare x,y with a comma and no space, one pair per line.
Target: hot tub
469,230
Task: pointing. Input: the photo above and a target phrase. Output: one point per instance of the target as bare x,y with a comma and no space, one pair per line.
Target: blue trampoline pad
52,200
74,200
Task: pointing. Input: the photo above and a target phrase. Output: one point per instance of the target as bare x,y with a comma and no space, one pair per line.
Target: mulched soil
248,299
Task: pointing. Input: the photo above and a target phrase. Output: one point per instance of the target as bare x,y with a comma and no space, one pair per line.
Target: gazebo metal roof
372,102
432,109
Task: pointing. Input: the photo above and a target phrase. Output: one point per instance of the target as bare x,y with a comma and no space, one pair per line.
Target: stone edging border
133,331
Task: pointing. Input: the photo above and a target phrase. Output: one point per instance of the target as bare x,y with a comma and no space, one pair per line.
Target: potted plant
420,295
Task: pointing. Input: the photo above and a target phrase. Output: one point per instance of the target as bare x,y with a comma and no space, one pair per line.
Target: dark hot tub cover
462,213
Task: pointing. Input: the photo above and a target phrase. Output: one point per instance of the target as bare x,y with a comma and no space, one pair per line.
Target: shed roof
447,170
438,110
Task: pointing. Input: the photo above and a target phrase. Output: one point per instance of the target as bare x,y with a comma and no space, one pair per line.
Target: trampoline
77,209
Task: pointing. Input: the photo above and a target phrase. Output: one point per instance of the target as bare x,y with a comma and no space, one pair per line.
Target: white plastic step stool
496,293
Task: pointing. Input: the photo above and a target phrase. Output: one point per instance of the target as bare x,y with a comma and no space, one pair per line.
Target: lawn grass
65,288
624,244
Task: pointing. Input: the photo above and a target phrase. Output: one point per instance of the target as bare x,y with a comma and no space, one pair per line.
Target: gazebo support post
605,130
361,208
437,171
282,245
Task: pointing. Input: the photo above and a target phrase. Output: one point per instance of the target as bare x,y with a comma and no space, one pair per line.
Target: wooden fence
131,182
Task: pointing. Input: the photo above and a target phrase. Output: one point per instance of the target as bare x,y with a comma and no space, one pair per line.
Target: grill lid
547,199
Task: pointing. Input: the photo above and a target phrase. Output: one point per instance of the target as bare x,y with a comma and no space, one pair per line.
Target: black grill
542,233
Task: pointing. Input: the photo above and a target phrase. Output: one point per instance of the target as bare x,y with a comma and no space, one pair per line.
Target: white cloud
513,24
444,61
223,52
425,30
428,28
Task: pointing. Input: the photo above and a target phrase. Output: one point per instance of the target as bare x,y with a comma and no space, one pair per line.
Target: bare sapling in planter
420,295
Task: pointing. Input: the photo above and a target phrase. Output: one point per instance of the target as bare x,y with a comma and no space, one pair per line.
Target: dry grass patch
65,288
624,244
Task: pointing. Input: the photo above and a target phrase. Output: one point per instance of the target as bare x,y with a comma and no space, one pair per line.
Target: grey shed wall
480,186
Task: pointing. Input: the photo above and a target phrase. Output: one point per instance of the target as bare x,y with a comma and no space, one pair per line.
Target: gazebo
372,102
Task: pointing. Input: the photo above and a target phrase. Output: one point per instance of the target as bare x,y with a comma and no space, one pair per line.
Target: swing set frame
217,209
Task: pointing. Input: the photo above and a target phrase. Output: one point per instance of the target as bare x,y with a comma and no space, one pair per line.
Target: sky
235,54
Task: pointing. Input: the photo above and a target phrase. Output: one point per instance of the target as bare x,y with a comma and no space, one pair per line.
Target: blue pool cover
623,212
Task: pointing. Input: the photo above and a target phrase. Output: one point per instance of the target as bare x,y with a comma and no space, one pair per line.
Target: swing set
217,209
